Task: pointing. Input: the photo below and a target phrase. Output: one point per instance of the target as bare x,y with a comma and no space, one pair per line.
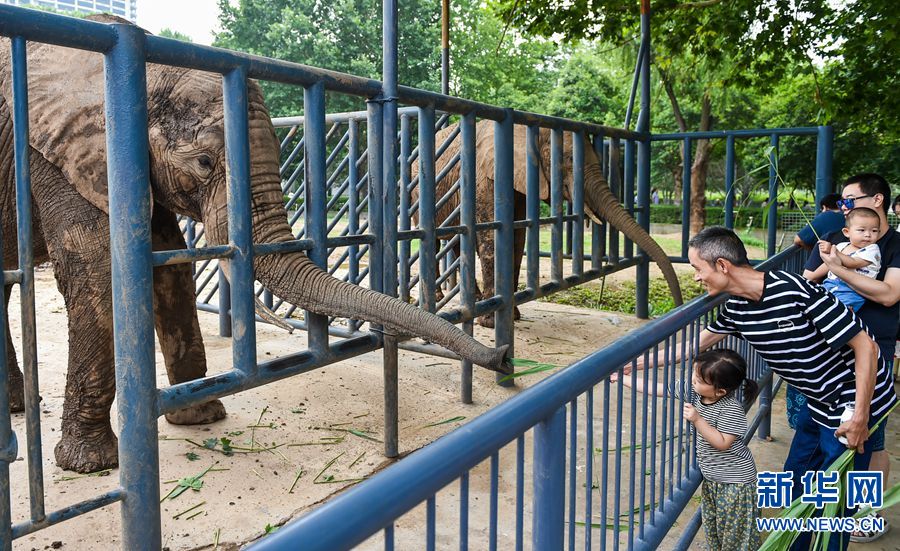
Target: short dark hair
861,212
717,242
896,202
830,201
726,370
872,184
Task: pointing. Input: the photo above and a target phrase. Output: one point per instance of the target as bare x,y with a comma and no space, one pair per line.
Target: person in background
882,308
728,498
829,219
654,196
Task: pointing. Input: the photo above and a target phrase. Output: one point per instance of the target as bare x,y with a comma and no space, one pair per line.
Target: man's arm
886,293
865,352
708,339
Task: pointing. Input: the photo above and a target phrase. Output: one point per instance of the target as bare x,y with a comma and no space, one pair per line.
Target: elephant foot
488,320
87,454
203,414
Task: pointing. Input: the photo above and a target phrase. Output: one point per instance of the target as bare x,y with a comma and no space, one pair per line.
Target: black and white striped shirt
802,332
734,465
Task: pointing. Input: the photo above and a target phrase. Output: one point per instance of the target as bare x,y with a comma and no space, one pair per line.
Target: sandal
865,537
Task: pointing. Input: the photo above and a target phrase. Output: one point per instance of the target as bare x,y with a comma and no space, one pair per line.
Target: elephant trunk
599,199
296,279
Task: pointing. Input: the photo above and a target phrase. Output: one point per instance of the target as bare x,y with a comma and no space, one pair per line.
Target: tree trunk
699,170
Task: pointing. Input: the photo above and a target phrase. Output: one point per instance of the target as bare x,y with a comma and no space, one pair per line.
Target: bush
619,297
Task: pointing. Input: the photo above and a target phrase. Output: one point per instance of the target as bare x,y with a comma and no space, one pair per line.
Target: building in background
122,8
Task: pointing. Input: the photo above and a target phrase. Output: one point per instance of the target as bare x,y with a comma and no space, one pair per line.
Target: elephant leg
486,254
16,382
81,265
177,327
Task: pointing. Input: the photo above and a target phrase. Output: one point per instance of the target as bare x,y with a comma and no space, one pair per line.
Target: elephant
187,177
599,202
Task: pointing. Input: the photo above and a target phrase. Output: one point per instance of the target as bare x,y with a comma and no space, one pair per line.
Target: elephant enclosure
301,424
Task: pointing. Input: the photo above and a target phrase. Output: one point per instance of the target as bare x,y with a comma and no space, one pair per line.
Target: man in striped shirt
810,340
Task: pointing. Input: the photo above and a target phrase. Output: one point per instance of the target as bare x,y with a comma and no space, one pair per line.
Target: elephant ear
66,116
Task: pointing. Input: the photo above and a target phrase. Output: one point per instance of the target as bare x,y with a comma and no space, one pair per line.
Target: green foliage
619,296
169,33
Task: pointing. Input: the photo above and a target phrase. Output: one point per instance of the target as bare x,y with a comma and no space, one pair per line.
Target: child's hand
824,247
690,413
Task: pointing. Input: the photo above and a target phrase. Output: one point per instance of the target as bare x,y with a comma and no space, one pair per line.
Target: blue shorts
796,409
844,293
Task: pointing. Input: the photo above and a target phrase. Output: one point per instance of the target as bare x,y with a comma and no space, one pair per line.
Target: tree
169,33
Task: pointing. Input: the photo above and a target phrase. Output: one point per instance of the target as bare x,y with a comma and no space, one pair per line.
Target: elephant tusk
269,316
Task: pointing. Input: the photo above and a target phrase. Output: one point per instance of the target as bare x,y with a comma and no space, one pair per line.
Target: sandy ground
292,439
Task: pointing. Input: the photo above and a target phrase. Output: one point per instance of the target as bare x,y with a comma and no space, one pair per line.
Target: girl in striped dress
728,505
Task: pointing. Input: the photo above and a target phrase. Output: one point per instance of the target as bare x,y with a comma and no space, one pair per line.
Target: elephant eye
205,162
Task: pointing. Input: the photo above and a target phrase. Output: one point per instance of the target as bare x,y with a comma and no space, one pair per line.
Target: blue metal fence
376,235
636,466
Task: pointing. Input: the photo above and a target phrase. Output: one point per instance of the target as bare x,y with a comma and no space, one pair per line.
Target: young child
861,253
728,503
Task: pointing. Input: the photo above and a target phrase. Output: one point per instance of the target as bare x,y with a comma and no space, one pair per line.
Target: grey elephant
599,202
187,177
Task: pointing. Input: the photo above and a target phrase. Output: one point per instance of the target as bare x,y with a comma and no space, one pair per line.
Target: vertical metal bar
613,166
604,465
464,512
629,178
589,467
315,200
533,207
824,157
26,287
670,380
598,232
427,202
503,236
132,279
617,492
375,136
686,197
353,198
633,464
653,408
430,514
495,490
556,205
520,492
644,445
405,222
765,399
391,397
224,303
549,500
467,241
573,472
773,195
389,537
682,422
642,276
578,202
664,436
729,181
237,157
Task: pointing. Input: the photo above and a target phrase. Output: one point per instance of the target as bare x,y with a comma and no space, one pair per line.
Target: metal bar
467,242
464,511
548,503
315,198
428,248
331,118
556,204
26,289
183,256
773,195
615,184
578,202
503,236
493,497
375,136
824,158
39,26
604,465
729,182
532,207
685,196
405,177
353,200
132,280
520,492
754,133
629,179
224,289
642,276
617,484
573,459
430,514
66,513
632,472
588,467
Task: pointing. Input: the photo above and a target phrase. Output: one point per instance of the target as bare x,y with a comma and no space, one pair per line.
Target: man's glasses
848,203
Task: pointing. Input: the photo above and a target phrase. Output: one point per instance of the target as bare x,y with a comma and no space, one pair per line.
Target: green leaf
532,368
210,443
226,446
445,421
192,456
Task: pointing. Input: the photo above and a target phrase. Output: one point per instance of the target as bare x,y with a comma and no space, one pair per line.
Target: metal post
578,202
503,237
729,181
427,202
403,248
556,205
315,200
237,156
642,279
467,240
26,287
824,157
132,279
549,472
389,230
445,47
533,208
224,304
686,197
773,195
629,192
765,400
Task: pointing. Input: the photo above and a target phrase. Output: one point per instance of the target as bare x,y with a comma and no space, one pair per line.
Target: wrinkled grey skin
187,166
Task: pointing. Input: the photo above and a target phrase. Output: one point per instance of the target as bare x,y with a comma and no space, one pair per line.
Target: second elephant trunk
600,202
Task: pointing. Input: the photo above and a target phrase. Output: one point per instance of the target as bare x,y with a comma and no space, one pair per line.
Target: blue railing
564,493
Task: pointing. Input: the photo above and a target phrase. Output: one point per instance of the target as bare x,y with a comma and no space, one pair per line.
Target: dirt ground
298,441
